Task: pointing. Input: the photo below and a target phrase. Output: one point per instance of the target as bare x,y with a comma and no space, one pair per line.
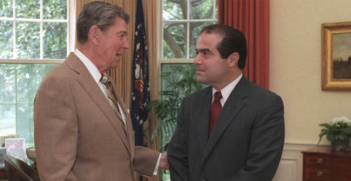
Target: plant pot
341,144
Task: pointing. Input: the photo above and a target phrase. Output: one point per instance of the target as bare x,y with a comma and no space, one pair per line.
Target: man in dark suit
79,133
232,130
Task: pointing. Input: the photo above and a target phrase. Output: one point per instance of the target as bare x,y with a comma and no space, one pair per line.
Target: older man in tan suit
78,134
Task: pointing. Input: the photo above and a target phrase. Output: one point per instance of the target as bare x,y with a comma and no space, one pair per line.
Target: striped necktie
111,97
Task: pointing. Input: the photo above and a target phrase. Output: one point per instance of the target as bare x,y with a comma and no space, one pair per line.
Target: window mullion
188,40
68,27
187,30
16,100
214,10
71,28
41,30
14,50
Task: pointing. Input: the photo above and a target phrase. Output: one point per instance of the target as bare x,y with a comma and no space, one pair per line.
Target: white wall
295,67
295,74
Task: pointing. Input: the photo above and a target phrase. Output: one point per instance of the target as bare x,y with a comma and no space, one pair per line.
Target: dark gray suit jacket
246,143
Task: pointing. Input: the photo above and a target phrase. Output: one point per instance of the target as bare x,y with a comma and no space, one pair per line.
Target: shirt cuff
157,165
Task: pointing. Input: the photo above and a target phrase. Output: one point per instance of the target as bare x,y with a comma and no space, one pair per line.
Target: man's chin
199,80
115,64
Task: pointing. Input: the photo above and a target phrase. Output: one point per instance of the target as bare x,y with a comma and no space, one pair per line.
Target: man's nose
125,44
197,60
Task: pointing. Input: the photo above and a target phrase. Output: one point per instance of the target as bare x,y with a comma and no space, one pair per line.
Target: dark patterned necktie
215,109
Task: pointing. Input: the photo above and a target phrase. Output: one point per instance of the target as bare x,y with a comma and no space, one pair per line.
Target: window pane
28,9
6,8
174,10
39,71
25,124
24,75
6,39
7,119
175,37
195,29
8,84
29,77
202,10
16,99
54,9
55,40
179,77
28,40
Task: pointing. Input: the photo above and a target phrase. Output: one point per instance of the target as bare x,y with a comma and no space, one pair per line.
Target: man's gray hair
98,13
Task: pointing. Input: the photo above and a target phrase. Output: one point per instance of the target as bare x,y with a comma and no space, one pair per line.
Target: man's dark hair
98,13
233,41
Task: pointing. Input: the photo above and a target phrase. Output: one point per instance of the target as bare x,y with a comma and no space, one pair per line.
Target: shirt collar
90,66
227,90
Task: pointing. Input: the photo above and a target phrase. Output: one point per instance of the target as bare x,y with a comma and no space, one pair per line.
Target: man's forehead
200,47
209,39
211,35
206,43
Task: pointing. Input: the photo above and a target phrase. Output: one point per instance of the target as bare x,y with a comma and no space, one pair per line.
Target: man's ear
233,59
94,34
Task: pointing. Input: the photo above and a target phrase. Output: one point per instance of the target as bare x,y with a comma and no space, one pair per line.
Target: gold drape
150,8
122,74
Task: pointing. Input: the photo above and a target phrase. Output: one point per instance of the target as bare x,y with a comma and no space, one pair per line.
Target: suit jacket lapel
87,82
236,101
119,100
203,119
128,125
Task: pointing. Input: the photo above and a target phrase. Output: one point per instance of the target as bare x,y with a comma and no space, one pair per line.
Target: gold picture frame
336,56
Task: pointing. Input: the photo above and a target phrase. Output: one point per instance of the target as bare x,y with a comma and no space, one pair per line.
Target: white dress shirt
227,90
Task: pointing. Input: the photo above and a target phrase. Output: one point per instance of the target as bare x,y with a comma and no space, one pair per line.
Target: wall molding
291,164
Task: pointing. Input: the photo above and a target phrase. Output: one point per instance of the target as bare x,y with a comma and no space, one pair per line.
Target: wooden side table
321,164
2,172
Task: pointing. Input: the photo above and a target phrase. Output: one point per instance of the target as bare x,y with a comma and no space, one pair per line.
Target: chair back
17,170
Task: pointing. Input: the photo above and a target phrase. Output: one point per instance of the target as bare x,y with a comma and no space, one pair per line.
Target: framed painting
336,56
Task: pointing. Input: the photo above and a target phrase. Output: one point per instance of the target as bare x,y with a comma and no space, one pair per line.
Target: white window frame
160,36
71,36
160,59
71,19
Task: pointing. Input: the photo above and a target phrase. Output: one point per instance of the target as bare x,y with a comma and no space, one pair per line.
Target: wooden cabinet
2,172
321,164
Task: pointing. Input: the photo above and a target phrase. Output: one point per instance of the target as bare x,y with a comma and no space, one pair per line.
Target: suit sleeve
177,150
267,141
145,160
55,129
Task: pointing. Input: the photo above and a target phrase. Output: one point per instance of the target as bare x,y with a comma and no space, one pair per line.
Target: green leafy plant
178,82
338,126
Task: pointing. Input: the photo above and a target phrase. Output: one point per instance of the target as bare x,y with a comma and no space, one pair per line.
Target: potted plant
338,132
177,82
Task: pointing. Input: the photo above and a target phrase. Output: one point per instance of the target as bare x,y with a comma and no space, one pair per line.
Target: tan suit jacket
78,136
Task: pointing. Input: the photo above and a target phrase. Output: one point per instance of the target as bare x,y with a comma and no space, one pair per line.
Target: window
33,39
181,24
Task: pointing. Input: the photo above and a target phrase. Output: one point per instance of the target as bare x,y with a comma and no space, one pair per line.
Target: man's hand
164,161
